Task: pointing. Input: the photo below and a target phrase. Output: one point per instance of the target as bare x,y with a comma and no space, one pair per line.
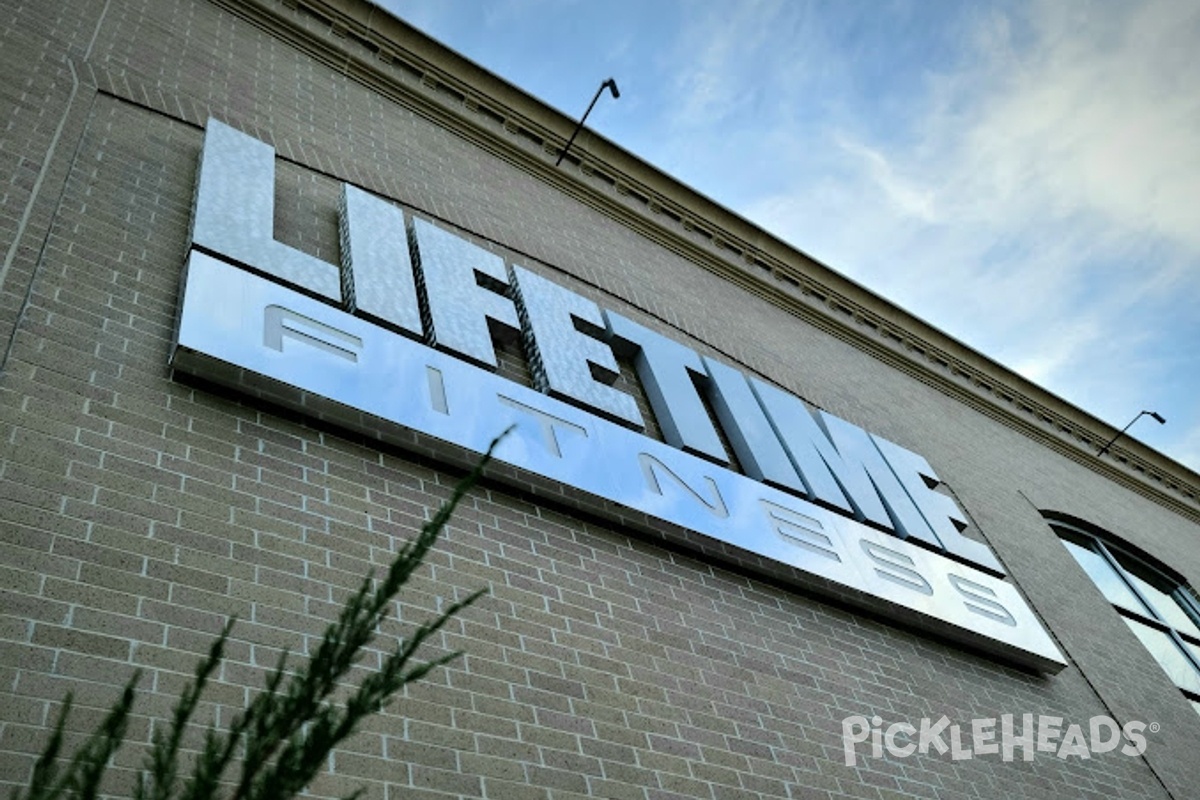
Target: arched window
1160,609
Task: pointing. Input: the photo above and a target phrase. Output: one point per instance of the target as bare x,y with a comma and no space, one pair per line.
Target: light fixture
612,87
1158,417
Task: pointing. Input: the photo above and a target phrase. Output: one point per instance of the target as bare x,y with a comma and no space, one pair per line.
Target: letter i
877,736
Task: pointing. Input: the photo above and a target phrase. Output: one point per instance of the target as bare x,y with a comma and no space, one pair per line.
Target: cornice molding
370,46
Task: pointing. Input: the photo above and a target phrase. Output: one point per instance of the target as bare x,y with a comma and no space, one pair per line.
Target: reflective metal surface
264,339
841,465
569,363
804,441
668,372
377,271
941,513
749,431
462,315
234,213
858,451
426,279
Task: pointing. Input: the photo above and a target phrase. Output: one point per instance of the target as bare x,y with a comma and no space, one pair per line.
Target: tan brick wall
138,511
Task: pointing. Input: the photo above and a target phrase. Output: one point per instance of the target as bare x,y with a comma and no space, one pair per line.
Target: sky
1023,175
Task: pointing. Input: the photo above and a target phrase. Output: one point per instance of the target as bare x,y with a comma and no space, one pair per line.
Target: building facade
274,273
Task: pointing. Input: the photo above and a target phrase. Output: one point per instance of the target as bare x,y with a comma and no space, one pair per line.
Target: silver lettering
548,424
234,214
377,270
941,512
668,372
460,313
873,479
649,463
280,323
437,390
799,529
899,567
981,600
749,431
827,479
422,279
568,360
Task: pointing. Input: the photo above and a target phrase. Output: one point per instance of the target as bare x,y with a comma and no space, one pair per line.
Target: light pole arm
1161,420
612,86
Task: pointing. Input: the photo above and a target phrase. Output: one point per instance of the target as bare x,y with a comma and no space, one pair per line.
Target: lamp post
612,87
1160,418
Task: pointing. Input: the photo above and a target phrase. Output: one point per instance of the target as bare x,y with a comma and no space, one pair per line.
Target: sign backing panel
256,336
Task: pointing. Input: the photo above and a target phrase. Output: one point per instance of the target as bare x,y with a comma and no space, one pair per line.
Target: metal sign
398,344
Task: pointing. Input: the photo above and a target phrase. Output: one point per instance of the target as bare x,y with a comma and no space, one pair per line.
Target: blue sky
1023,175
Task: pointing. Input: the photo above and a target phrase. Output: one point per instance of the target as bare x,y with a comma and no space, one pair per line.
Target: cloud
1037,200
907,197
1103,115
1021,175
714,86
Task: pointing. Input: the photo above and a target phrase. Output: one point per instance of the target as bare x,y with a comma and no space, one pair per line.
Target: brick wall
139,511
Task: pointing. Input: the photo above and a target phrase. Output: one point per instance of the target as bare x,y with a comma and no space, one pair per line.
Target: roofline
371,46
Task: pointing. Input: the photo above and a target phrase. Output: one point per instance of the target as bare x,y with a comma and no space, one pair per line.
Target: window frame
1125,562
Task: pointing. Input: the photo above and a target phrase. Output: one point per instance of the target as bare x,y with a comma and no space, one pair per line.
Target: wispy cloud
1022,175
1040,203
716,87
905,195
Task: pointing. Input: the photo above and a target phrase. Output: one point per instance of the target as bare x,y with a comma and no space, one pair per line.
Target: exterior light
1158,417
616,93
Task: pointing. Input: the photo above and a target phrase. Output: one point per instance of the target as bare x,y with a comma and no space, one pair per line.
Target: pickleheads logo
991,737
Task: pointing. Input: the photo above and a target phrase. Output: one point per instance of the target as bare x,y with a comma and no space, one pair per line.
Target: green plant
281,740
